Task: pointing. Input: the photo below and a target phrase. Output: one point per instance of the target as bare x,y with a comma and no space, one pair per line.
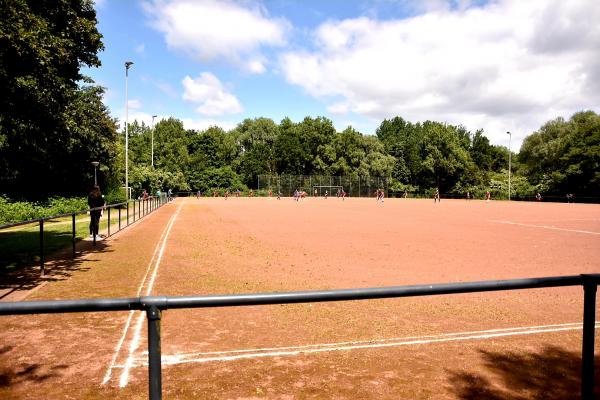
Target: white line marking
138,326
337,344
108,374
547,227
178,359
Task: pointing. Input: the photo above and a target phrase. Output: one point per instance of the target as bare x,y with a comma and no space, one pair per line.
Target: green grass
20,246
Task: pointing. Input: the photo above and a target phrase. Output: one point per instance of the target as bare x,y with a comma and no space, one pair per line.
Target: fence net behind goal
353,186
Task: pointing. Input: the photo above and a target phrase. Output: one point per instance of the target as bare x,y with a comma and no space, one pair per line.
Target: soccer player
436,195
488,196
538,197
326,194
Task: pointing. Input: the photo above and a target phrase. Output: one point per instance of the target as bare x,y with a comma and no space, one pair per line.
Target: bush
17,211
115,196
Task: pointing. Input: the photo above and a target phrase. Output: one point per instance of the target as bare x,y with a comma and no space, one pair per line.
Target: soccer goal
319,191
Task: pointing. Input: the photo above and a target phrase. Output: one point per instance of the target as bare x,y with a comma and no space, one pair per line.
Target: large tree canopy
43,44
564,156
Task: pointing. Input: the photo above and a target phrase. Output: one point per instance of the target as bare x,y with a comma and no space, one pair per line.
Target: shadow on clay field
551,374
26,372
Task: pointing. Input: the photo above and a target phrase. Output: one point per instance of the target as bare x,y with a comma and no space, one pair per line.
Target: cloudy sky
492,65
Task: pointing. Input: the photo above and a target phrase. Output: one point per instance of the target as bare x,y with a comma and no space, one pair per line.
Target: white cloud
134,103
140,48
509,65
139,116
203,124
223,29
208,91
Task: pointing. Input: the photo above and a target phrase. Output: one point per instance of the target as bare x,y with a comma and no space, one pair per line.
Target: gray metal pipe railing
154,305
40,221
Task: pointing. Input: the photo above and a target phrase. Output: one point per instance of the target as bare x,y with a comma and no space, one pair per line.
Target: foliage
43,112
17,211
564,156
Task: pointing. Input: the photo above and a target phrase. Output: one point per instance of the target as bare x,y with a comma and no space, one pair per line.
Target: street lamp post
154,116
509,162
128,65
95,164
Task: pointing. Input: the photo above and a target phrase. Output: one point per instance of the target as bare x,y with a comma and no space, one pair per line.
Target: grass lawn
20,246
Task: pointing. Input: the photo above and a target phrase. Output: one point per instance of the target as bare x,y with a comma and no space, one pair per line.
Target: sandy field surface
503,345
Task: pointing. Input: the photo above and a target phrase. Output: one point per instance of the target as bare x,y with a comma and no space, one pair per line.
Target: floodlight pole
509,163
95,164
152,146
128,65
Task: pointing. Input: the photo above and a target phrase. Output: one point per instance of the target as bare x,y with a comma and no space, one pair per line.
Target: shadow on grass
551,374
20,261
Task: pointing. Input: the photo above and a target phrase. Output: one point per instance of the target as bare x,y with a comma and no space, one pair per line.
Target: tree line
562,156
53,123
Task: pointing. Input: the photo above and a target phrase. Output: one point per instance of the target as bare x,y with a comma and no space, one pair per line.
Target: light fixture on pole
154,116
95,164
509,162
128,65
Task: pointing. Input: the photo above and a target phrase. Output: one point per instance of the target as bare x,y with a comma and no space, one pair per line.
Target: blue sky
498,66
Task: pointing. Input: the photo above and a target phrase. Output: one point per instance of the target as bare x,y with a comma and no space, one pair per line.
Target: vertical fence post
73,233
119,217
42,246
133,210
108,210
154,361
127,212
589,326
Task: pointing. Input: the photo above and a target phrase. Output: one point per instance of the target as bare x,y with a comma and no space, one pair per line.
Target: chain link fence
353,186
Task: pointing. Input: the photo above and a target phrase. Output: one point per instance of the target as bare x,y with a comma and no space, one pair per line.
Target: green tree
564,156
444,157
403,141
43,44
291,152
256,139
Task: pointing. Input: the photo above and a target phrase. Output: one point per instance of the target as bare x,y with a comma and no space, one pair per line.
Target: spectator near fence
95,200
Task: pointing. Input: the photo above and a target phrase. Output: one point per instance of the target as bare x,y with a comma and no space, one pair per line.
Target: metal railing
144,207
154,305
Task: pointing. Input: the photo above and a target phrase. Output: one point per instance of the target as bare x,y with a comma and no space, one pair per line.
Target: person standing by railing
95,200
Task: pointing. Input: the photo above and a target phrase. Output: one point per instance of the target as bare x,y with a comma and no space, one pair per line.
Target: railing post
133,210
127,213
108,210
589,327
119,217
73,233
42,246
154,361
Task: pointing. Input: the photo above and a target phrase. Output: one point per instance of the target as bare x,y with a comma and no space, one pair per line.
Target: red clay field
502,345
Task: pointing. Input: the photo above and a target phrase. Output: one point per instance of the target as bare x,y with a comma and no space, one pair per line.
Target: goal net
354,186
319,191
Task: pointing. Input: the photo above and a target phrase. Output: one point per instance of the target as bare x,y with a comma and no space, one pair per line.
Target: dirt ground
505,345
